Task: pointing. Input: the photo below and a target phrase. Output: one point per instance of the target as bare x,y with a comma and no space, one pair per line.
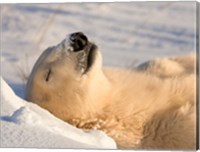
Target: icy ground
127,34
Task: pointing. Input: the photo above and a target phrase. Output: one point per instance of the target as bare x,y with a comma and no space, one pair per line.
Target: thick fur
152,107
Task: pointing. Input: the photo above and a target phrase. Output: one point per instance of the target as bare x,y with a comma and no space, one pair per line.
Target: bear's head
68,80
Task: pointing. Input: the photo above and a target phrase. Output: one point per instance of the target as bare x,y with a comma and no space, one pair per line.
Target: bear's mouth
84,51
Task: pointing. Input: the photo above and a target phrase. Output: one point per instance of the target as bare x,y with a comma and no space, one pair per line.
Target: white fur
152,107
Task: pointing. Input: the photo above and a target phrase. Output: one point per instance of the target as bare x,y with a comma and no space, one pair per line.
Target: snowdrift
25,124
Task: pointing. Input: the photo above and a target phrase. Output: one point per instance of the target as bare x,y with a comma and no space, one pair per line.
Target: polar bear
150,107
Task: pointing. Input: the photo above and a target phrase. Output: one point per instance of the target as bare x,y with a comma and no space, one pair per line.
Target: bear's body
152,107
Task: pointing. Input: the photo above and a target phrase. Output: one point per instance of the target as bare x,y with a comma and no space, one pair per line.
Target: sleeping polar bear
151,107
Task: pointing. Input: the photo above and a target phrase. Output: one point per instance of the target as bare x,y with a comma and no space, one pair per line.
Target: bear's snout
78,41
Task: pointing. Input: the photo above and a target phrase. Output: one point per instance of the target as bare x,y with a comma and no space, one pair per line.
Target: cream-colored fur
153,107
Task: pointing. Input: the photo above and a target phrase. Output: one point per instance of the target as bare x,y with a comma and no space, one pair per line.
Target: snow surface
25,124
127,34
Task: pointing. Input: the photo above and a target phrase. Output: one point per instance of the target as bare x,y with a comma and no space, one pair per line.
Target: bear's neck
98,90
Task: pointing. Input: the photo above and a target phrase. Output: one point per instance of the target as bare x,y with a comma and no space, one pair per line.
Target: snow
27,125
127,34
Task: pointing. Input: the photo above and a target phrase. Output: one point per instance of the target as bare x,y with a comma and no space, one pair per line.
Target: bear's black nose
78,41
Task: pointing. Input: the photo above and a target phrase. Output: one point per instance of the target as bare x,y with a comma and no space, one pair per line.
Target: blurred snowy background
127,34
